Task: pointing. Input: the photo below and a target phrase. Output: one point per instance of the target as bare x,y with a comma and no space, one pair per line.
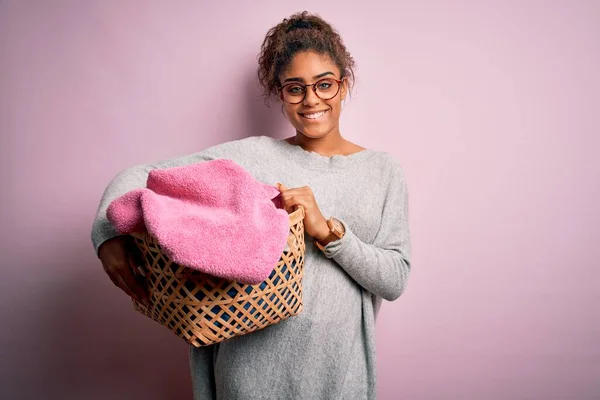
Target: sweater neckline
313,159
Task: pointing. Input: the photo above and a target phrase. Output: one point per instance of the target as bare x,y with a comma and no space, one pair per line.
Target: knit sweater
327,351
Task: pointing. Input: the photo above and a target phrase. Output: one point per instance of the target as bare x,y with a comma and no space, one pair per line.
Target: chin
313,133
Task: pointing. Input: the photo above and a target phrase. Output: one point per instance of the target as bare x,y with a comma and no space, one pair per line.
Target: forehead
306,65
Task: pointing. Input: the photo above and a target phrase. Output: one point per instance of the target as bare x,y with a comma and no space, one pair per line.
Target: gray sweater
328,351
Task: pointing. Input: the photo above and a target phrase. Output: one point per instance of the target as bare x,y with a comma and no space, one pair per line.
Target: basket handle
301,208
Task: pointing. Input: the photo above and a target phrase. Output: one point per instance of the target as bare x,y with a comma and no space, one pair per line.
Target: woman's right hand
119,257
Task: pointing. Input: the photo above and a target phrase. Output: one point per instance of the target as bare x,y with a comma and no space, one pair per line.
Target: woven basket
203,309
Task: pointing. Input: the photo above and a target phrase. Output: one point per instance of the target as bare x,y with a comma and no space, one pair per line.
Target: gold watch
336,232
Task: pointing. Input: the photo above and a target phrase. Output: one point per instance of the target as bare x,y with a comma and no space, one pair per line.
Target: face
313,116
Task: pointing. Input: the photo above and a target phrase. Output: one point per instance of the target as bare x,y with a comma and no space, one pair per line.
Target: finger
298,191
304,190
124,287
113,280
128,283
136,259
136,265
111,275
286,205
135,284
291,203
293,199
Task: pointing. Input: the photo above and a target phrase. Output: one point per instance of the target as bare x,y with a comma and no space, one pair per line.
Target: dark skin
321,135
120,256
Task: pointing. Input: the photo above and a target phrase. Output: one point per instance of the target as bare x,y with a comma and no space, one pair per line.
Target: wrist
335,232
323,231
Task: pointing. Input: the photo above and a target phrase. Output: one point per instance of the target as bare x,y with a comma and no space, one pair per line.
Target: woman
353,262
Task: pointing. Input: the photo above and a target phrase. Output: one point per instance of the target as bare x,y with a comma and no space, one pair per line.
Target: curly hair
300,32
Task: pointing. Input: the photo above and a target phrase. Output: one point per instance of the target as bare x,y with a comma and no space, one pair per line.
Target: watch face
338,228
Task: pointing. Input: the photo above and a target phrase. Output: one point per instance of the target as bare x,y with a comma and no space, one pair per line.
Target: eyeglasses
295,92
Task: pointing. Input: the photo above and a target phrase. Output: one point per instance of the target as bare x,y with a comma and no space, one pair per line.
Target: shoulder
389,163
232,149
390,169
243,144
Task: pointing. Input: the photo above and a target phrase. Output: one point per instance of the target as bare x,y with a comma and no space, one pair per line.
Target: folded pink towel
211,216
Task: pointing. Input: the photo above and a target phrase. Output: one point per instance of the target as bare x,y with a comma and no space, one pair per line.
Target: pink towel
212,216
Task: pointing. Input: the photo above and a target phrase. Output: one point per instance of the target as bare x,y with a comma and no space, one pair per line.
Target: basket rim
296,215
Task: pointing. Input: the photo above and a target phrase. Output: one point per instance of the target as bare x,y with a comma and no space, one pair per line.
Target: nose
311,98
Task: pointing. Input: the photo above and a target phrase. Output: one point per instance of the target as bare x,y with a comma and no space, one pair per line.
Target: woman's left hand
315,224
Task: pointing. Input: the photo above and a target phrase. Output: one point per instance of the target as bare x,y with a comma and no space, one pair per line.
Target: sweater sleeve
126,180
383,267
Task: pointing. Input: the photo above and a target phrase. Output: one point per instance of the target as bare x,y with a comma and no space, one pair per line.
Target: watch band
336,232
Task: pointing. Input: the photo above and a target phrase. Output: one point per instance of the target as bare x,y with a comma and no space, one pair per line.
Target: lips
312,116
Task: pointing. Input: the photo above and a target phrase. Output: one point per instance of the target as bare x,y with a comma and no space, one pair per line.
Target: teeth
315,115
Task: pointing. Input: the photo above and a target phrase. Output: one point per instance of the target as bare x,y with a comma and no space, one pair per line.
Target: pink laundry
212,216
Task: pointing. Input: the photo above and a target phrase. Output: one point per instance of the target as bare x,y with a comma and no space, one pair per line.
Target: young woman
356,206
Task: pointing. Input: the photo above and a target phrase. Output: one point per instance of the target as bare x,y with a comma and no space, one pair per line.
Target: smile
313,116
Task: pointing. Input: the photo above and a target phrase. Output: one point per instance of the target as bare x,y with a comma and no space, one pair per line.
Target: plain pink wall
492,107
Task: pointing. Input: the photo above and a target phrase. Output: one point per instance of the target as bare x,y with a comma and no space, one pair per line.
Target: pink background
492,107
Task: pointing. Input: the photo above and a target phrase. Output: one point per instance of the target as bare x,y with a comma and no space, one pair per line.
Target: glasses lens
327,88
293,92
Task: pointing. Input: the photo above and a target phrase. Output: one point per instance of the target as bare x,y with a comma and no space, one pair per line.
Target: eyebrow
314,77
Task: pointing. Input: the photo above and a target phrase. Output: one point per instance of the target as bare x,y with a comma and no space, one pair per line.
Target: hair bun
302,21
300,24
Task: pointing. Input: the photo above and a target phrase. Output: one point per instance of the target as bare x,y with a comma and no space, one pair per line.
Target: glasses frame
313,86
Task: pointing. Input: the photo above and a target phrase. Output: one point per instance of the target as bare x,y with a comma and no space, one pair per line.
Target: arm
133,178
126,180
384,266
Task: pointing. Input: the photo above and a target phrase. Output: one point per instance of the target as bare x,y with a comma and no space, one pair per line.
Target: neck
328,145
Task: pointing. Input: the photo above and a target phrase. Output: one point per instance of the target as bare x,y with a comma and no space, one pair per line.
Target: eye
295,89
324,85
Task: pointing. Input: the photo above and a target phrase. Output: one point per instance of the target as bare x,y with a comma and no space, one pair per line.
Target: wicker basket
203,309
